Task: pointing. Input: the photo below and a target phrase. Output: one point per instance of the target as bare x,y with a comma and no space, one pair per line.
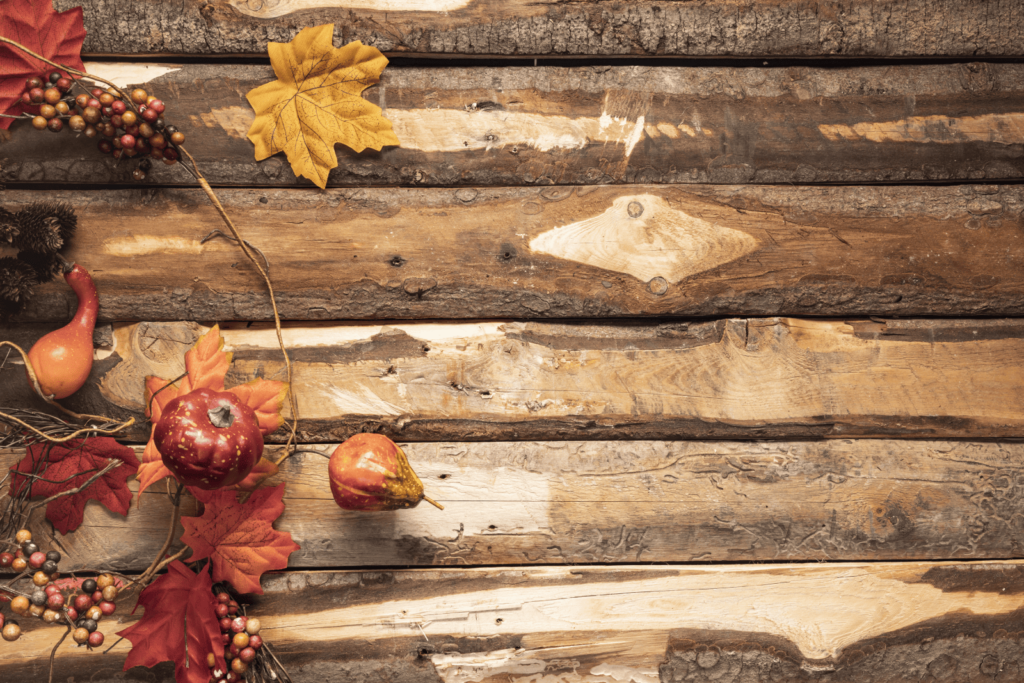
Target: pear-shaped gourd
62,359
369,472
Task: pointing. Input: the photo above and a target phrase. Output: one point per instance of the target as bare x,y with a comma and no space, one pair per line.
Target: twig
74,72
147,575
270,288
220,233
70,492
53,652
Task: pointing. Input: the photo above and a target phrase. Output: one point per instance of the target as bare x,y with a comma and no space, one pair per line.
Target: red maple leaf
180,608
55,35
207,363
62,467
239,538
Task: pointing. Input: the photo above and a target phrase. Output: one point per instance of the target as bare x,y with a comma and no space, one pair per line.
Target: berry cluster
128,126
48,602
241,638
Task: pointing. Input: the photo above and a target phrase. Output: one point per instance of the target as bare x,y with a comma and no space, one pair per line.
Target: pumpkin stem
221,416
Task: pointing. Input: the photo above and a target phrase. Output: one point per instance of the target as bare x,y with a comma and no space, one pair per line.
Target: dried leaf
207,363
238,537
263,470
180,608
316,102
55,35
67,466
265,397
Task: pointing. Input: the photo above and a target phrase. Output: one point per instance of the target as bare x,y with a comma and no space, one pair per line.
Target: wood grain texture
744,378
851,623
615,502
598,125
549,253
861,28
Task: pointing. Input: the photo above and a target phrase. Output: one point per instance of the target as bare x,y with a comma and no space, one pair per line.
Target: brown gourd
62,359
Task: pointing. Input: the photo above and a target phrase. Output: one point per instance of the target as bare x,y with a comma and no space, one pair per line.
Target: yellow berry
11,632
22,536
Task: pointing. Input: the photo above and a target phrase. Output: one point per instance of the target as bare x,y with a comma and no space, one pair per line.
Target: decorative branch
113,464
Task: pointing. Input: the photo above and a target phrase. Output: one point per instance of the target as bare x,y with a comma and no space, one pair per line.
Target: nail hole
442,476
492,527
499,621
397,261
263,200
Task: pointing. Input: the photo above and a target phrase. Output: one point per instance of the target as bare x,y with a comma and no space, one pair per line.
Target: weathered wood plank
851,623
849,28
614,502
745,378
597,125
551,253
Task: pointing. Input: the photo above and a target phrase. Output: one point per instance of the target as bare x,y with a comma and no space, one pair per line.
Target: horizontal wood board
559,252
736,378
776,28
593,125
550,253
848,623
521,503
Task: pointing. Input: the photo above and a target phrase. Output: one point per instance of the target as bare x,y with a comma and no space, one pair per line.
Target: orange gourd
62,359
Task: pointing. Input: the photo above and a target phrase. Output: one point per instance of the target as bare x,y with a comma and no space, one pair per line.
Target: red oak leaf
238,537
63,467
207,363
180,609
57,36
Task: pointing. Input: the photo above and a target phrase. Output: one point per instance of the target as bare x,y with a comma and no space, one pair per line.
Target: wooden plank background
554,252
849,28
703,320
596,125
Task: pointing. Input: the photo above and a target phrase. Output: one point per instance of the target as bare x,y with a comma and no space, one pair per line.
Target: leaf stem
70,492
158,563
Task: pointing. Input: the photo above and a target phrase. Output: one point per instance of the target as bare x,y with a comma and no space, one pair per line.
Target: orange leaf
238,537
157,396
316,102
265,397
152,468
207,363
263,470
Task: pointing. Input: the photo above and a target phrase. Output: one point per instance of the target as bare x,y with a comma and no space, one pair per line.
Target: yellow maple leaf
316,102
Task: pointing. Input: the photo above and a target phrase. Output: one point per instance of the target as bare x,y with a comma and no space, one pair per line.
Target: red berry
63,84
172,155
55,601
150,115
36,560
36,95
157,106
73,614
222,610
26,99
6,559
225,624
115,121
234,650
94,103
127,141
131,129
107,112
255,642
96,92
34,82
247,654
84,602
119,106
95,639
97,597
51,589
238,624
225,638
55,125
107,608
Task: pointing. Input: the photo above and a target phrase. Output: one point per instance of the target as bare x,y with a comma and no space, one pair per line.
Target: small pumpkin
209,439
370,473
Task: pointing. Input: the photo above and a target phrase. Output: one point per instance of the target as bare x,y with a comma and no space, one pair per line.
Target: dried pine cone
8,227
45,227
45,267
16,281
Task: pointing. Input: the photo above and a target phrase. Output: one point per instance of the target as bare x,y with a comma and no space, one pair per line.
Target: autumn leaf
263,470
57,36
206,364
238,537
179,608
317,101
67,466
